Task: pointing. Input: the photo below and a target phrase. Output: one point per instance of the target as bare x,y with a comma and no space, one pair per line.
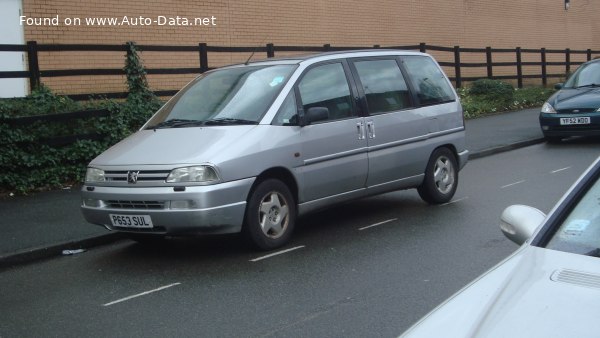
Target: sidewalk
43,224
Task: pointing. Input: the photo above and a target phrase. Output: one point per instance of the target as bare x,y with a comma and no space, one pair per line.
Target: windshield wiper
175,123
592,85
593,253
228,120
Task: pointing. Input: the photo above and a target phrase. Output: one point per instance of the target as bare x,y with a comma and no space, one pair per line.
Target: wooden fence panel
491,68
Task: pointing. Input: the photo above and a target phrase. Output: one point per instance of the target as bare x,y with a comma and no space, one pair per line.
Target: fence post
544,69
270,50
34,66
488,60
568,61
203,50
589,54
519,68
457,66
422,47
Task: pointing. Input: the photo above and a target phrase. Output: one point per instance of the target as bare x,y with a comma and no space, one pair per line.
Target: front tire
270,215
441,177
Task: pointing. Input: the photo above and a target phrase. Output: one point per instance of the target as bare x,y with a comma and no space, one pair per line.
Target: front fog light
200,174
92,202
186,204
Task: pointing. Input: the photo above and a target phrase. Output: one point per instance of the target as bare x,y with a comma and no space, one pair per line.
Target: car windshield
580,231
588,75
238,95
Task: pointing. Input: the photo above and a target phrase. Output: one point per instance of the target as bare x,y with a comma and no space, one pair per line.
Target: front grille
136,205
576,110
577,127
142,176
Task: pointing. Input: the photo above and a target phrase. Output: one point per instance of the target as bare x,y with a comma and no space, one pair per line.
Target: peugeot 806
249,148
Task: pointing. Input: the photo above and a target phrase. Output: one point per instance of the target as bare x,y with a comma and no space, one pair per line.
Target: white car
550,287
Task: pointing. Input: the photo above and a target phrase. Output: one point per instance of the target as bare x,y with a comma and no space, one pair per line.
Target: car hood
172,146
580,98
534,293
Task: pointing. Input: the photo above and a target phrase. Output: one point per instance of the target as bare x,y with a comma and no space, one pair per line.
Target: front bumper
210,209
551,127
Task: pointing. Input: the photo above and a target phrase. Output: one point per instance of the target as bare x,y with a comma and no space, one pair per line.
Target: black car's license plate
574,120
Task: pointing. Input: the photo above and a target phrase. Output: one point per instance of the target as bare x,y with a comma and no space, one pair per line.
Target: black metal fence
35,74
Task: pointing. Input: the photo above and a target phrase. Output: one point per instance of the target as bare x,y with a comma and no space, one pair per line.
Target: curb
40,253
504,148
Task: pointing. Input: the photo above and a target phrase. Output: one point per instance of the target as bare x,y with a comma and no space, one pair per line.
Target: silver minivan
249,148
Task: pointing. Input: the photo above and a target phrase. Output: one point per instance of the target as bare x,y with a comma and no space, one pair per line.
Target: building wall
468,23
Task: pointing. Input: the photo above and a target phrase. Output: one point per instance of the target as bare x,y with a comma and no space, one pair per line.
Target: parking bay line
455,201
276,253
141,294
377,224
510,185
559,170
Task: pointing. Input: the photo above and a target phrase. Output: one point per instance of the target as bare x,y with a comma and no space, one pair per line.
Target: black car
575,109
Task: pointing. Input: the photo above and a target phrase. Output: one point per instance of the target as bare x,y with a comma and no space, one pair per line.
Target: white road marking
276,253
455,201
559,170
141,294
377,224
510,185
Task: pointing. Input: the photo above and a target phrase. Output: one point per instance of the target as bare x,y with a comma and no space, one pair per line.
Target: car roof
315,57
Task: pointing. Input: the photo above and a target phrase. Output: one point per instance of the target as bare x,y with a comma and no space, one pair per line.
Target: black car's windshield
239,95
588,75
580,230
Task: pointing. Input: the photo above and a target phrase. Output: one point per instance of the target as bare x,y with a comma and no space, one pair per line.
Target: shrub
31,158
478,105
493,91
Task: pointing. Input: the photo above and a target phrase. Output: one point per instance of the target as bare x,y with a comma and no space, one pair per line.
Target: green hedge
488,96
32,157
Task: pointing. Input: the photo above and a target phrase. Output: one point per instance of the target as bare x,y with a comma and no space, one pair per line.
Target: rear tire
270,215
441,177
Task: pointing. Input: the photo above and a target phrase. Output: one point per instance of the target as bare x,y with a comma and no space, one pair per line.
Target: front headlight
94,175
548,109
200,174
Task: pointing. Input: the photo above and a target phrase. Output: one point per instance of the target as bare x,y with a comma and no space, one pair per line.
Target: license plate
574,120
131,221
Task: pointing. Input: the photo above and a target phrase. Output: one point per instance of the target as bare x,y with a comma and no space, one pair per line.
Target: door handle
360,126
371,129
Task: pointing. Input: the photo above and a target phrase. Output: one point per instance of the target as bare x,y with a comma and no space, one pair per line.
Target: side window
288,112
327,86
384,85
428,80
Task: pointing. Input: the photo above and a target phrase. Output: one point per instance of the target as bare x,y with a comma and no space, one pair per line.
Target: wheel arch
280,173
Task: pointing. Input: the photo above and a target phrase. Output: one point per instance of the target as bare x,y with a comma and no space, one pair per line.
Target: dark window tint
384,85
428,80
326,86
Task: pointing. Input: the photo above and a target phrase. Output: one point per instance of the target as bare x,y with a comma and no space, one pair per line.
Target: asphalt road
366,269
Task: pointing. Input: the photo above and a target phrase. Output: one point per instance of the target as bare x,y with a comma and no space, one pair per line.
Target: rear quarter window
429,81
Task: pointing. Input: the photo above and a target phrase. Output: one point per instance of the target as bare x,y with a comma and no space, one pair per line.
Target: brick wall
468,23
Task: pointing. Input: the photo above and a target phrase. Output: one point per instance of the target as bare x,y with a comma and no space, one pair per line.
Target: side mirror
315,114
558,86
519,222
